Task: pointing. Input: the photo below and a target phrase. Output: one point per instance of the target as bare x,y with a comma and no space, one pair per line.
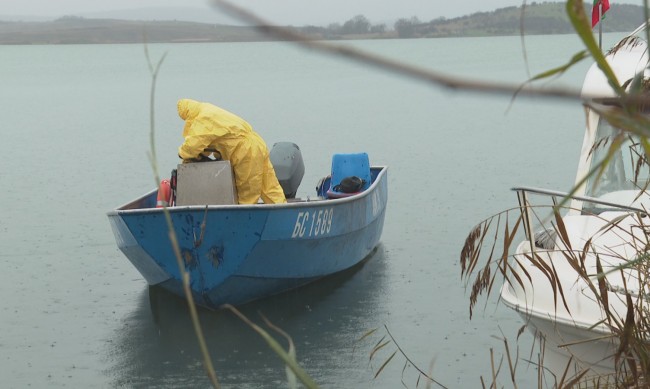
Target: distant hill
538,18
76,30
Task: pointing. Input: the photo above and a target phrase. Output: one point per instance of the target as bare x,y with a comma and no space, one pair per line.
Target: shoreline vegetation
538,19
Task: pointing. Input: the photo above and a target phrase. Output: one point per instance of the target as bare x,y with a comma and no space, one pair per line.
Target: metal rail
586,199
525,206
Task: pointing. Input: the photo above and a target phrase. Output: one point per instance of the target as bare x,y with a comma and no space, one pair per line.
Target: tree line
538,18
361,26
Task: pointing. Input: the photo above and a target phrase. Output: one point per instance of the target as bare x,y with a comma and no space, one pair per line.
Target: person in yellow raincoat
210,127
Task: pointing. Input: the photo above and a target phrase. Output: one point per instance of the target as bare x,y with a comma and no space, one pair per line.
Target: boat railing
558,197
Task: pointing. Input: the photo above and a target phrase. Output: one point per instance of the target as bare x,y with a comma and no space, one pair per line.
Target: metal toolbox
205,183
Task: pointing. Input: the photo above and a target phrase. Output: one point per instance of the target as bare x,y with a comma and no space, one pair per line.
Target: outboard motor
289,168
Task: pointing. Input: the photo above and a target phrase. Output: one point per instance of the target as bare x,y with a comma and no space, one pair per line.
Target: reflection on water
157,345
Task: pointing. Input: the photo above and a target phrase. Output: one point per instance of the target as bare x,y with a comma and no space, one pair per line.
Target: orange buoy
164,194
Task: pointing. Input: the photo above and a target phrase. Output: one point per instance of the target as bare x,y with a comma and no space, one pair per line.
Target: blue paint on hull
238,253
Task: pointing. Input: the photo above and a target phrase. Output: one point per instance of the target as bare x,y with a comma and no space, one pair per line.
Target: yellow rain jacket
208,126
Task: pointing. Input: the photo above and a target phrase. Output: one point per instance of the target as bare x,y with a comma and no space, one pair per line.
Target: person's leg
272,192
248,174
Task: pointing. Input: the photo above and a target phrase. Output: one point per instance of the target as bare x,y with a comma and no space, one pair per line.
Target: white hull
579,338
570,282
568,345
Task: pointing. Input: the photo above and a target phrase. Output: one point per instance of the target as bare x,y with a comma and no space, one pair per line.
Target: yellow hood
188,108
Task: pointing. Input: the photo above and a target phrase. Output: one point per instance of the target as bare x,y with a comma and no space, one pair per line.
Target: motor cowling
289,167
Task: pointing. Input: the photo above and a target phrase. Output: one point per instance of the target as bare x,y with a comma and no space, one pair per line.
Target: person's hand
200,158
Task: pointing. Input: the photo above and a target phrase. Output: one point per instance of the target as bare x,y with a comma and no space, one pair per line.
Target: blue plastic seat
346,165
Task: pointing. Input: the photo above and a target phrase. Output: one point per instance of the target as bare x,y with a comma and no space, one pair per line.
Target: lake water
75,141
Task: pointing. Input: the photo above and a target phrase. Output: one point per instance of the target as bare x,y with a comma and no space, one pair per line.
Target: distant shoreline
539,19
110,31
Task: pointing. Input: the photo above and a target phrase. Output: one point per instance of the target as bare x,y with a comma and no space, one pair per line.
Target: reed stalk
294,370
185,277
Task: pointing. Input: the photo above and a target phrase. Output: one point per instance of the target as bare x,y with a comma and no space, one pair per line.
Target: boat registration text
313,224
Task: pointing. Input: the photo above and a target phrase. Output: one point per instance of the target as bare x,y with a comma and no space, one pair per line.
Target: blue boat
235,253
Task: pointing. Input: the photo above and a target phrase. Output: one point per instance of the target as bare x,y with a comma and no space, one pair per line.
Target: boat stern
142,261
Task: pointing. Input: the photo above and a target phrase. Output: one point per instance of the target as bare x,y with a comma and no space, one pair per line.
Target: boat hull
238,253
581,278
573,322
569,344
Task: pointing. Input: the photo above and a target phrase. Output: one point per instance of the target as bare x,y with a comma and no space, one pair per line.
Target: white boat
602,227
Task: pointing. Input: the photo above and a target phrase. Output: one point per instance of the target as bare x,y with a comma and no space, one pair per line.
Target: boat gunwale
291,205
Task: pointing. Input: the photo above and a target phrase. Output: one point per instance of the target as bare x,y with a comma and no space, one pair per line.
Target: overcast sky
295,12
